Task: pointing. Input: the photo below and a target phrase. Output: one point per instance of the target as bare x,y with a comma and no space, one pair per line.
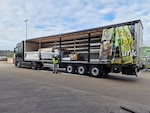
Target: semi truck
95,52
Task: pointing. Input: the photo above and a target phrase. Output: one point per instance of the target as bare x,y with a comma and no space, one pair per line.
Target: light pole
26,20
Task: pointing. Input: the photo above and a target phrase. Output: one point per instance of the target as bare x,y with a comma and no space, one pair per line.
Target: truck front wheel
96,71
70,68
18,64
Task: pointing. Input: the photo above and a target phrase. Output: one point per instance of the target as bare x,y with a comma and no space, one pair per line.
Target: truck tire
116,68
18,64
96,71
81,69
70,68
33,66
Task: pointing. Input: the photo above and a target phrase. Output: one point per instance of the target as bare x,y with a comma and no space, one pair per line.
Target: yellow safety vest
55,61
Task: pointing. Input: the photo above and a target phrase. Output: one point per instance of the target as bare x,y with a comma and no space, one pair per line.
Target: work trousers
55,68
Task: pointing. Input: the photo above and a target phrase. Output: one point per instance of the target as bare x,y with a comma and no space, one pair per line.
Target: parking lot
24,90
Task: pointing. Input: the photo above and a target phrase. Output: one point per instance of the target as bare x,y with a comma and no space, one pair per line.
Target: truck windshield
17,50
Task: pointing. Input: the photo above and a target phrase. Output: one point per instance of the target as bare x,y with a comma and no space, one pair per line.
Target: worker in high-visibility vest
55,64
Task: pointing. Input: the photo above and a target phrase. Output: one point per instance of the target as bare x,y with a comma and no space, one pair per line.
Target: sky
50,17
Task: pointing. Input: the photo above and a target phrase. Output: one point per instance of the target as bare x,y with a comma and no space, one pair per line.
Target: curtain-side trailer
97,51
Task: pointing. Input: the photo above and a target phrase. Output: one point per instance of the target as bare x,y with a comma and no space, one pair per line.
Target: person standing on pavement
55,64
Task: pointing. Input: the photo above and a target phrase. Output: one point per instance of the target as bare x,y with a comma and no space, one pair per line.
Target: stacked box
74,56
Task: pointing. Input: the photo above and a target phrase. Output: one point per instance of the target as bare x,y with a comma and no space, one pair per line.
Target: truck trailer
95,52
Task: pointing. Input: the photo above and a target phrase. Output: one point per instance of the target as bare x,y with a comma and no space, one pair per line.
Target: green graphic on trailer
105,48
118,46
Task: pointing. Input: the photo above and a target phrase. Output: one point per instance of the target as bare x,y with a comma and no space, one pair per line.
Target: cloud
49,17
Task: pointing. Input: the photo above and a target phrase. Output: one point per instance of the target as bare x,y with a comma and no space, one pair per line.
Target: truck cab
19,54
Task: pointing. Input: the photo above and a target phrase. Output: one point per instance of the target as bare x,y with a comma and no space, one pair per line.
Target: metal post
26,20
40,49
25,48
60,48
89,36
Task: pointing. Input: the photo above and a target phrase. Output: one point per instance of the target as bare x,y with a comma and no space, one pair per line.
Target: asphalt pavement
25,90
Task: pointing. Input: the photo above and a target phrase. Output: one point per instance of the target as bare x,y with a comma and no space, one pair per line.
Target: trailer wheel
82,70
96,71
33,66
70,68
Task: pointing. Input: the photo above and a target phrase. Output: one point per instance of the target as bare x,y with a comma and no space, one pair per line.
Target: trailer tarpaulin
118,45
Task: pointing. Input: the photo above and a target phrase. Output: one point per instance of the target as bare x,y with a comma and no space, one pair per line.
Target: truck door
19,56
